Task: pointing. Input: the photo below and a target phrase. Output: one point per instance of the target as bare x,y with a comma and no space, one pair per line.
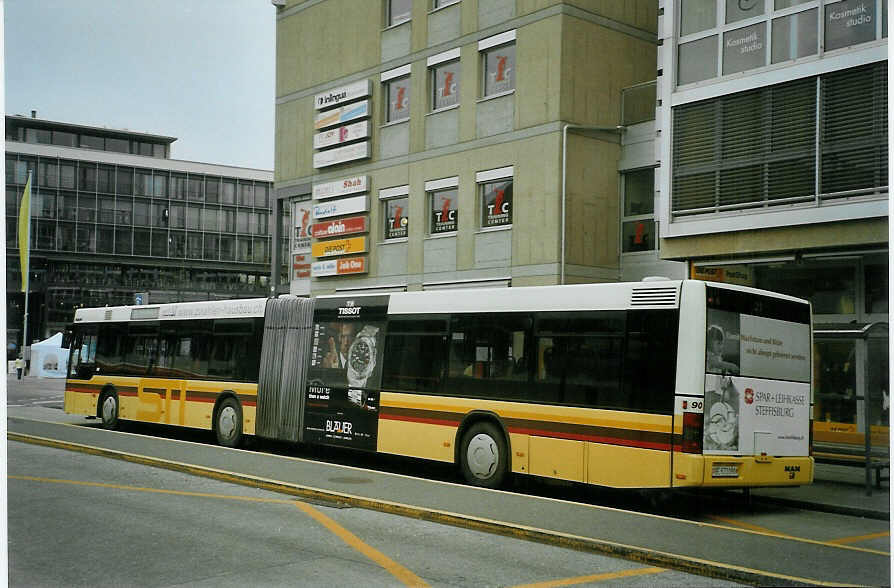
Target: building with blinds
772,140
115,220
431,144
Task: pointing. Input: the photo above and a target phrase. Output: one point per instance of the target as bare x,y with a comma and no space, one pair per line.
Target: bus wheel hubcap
483,456
108,408
227,422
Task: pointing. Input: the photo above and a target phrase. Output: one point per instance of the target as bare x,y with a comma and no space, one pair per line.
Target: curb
599,546
852,511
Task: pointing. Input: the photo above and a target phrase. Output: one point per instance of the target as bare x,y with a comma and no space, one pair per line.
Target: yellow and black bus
654,384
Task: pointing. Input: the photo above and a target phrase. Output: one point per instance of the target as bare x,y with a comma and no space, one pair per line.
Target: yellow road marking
858,538
749,526
394,568
593,578
391,566
839,543
550,537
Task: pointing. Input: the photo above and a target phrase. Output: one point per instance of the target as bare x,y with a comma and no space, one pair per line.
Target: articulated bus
655,384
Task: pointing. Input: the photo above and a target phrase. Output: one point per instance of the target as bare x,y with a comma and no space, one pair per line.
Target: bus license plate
725,470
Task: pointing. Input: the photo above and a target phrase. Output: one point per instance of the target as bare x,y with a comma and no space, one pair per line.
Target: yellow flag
24,225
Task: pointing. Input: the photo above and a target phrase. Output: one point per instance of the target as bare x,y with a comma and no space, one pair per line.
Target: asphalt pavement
681,544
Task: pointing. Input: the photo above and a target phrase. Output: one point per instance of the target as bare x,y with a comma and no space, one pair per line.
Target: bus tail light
692,432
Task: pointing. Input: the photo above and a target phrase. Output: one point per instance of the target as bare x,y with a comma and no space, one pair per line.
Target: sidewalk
837,489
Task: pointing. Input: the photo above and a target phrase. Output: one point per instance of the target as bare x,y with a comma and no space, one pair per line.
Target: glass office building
774,173
115,221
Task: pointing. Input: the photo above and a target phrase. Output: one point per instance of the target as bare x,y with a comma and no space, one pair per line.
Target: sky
199,70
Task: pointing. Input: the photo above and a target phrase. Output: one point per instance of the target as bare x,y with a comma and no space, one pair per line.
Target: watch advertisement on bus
342,399
757,385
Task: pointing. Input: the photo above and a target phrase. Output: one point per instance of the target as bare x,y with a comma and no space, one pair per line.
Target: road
845,548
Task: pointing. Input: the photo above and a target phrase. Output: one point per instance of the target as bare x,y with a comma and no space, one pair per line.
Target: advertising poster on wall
757,385
301,214
342,396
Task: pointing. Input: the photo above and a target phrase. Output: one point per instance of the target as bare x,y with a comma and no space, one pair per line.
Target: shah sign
341,187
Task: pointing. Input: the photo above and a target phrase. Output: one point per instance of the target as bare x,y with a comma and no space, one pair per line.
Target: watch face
360,356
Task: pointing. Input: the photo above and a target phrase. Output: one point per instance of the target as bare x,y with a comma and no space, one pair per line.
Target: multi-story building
773,143
428,144
432,144
115,220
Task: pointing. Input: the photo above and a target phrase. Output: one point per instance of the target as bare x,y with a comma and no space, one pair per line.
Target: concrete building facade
436,144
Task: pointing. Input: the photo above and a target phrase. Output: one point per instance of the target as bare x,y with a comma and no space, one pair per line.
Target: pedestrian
20,365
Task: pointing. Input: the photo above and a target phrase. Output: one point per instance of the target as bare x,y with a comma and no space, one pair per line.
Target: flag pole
26,282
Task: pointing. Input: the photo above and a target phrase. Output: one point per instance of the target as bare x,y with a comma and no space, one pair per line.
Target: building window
794,32
397,96
697,60
737,10
398,11
697,15
395,208
745,48
794,36
849,23
495,189
498,63
445,84
758,148
443,210
638,220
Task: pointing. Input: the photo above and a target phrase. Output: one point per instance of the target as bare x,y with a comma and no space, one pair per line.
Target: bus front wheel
483,455
228,423
109,411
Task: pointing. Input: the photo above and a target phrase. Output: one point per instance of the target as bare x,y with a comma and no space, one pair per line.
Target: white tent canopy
49,359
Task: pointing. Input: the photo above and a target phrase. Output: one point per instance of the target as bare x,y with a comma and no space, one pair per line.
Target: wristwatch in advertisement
362,356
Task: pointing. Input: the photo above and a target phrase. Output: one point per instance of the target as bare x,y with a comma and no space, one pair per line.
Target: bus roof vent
654,296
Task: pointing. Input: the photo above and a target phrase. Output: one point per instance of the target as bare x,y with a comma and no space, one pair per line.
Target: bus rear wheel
108,411
228,423
484,455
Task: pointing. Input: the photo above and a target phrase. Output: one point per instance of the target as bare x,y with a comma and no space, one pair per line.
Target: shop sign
350,246
728,274
300,267
339,135
301,244
336,228
338,267
341,115
744,48
849,23
341,187
341,154
341,207
343,94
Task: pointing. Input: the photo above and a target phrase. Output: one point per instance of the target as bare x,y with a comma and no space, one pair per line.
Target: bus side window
415,358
